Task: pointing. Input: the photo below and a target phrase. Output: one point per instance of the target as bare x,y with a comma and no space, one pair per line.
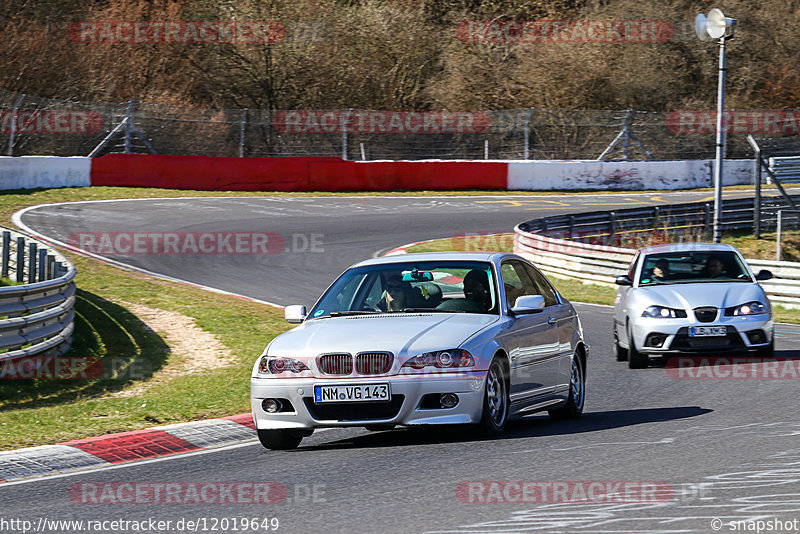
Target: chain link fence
32,125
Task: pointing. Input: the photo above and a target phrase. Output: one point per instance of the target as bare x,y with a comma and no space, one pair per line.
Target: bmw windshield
447,286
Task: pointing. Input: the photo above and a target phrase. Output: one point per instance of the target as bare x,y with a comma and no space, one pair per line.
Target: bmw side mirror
528,304
294,313
764,274
624,280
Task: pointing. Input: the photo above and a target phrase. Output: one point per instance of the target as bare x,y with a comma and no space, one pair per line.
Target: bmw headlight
270,365
662,312
441,359
751,308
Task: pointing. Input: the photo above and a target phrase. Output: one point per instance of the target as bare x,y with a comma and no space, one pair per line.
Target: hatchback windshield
693,266
448,286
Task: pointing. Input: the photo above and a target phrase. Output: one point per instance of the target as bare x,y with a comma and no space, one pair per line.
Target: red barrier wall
293,174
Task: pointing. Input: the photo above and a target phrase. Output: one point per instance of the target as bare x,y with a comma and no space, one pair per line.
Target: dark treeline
407,54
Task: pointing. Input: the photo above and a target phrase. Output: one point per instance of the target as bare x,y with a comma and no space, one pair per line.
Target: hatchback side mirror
294,313
764,274
624,280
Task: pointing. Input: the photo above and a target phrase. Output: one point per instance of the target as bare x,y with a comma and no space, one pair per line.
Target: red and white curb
113,449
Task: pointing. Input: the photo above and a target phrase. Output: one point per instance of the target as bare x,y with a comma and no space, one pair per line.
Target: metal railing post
345,121
129,126
20,271
778,238
42,265
50,271
527,151
6,254
13,134
241,132
32,262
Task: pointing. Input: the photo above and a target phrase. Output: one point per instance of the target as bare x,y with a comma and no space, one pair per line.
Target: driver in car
476,289
396,295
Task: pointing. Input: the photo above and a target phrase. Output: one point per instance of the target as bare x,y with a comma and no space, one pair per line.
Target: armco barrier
572,246
36,315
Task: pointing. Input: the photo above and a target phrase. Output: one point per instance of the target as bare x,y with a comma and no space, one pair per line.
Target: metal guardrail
585,246
787,169
36,298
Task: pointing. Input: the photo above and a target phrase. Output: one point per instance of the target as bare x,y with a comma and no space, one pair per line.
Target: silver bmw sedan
422,339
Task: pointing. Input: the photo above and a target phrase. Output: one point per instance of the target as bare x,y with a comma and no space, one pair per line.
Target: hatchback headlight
751,308
441,359
271,365
662,312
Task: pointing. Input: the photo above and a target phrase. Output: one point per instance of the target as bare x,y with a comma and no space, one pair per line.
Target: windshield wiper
431,310
353,312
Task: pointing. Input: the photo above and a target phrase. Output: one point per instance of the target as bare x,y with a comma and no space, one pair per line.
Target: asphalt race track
721,449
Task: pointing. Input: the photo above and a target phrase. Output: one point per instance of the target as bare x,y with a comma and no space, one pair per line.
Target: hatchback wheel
495,400
636,359
619,353
577,393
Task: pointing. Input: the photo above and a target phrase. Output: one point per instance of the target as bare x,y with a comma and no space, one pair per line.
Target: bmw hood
690,296
401,334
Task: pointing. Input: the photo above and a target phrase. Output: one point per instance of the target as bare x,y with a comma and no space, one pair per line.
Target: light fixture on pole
720,28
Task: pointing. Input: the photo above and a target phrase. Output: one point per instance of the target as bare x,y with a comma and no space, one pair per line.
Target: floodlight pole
720,143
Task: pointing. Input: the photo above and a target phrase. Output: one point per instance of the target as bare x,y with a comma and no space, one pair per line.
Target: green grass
37,412
8,282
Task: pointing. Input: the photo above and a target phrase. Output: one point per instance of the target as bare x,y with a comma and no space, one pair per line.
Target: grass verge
43,411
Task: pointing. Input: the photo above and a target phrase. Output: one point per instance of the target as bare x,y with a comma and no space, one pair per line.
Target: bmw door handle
551,320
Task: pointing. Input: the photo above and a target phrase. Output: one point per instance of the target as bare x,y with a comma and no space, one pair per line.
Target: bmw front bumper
406,406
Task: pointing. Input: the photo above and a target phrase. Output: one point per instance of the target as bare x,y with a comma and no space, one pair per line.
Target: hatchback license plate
707,331
353,393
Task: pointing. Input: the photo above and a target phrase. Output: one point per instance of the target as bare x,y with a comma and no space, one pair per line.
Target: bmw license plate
707,331
353,393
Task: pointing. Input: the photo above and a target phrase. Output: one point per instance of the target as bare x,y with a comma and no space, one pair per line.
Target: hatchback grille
336,364
374,363
354,411
682,341
706,315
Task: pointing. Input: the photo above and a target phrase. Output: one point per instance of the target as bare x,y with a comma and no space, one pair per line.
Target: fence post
32,262
51,265
778,237
20,259
6,254
241,132
486,149
42,265
129,126
527,152
707,217
345,120
13,135
612,227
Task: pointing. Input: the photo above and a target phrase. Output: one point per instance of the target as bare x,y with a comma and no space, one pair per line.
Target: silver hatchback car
422,339
690,297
